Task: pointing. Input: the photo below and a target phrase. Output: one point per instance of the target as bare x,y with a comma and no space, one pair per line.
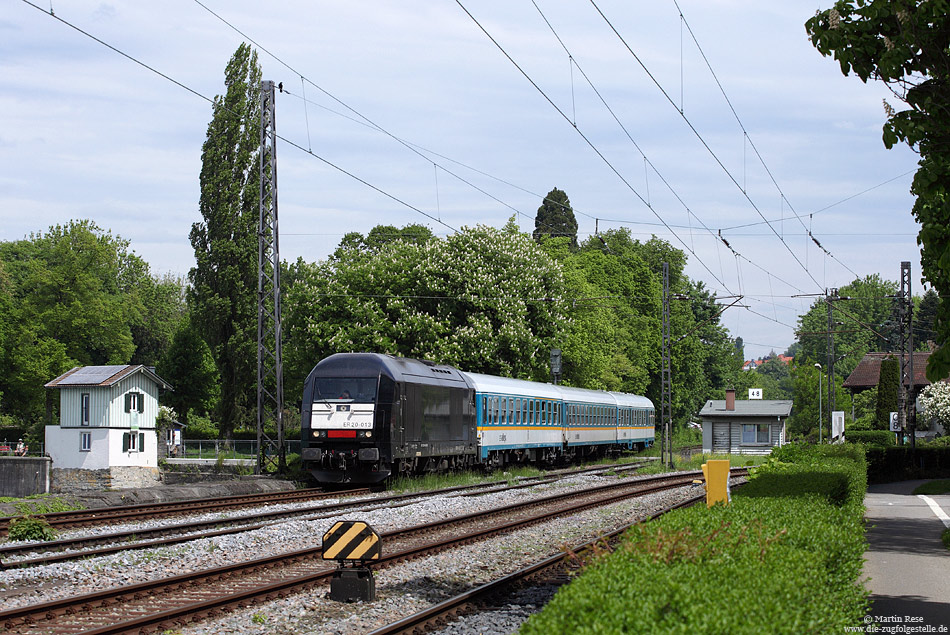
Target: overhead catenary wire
212,101
573,64
587,140
703,141
647,162
283,138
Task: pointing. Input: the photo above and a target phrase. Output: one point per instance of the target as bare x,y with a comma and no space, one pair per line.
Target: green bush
870,437
785,556
30,528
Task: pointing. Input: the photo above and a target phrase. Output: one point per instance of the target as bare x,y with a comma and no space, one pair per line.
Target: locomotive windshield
362,389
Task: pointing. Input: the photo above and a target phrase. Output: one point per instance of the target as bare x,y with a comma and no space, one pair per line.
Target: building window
134,402
85,441
133,442
755,433
84,409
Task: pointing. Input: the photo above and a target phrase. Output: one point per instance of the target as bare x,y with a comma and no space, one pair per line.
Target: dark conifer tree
556,218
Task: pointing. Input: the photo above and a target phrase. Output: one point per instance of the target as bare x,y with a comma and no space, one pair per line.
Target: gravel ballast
401,590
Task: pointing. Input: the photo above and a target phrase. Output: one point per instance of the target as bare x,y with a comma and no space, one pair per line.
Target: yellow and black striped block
351,540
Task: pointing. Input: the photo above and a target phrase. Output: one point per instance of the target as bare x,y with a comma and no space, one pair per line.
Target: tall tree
224,281
860,323
189,367
906,45
556,218
74,296
888,387
482,299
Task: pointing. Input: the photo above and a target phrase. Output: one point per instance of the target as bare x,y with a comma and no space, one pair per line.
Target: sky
719,115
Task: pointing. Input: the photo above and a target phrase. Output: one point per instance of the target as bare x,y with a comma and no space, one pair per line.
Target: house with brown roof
867,374
106,433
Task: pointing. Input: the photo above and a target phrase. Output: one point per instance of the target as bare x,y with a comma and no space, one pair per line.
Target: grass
40,504
941,486
945,537
458,479
695,462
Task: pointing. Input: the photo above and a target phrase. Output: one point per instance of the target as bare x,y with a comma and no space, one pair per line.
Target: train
368,416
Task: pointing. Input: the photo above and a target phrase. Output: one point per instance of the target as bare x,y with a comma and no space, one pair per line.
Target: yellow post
717,482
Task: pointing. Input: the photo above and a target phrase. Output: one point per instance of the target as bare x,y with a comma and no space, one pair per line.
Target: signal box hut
106,433
752,426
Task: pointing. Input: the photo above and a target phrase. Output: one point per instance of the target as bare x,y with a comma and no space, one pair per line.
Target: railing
220,448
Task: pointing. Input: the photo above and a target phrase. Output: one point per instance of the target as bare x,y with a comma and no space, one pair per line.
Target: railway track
160,604
553,571
132,513
147,538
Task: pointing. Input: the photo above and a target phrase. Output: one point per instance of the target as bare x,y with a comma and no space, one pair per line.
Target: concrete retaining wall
24,475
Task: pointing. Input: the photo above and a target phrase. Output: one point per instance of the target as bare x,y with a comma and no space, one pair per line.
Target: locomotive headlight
369,434
316,434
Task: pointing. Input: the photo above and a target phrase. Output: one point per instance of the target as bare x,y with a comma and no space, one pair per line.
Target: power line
703,141
211,101
586,139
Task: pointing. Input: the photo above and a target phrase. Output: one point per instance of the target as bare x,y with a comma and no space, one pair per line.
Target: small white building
106,434
752,426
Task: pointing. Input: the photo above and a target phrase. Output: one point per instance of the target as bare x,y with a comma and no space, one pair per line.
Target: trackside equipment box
356,542
717,482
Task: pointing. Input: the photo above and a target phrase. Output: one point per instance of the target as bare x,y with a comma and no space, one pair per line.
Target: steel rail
67,548
438,613
47,610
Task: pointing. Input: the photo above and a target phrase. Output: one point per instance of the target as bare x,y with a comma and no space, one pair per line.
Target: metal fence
219,448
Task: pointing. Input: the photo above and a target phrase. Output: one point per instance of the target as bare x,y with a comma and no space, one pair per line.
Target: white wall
63,446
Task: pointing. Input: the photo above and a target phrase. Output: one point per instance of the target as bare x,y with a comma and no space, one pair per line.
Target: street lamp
818,366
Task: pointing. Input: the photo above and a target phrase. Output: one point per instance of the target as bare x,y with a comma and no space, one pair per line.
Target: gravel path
401,590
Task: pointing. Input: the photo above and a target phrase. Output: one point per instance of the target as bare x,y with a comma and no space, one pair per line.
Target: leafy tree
887,389
482,299
163,311
70,296
865,410
807,380
857,323
925,320
189,367
223,293
614,305
906,45
936,401
556,218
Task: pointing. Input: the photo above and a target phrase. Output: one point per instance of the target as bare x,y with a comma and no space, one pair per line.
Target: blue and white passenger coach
366,416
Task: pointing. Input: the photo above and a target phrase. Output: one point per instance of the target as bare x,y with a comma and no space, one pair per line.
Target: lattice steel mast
270,369
905,395
666,378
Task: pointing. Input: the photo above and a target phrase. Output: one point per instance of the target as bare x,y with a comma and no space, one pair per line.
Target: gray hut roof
104,376
747,408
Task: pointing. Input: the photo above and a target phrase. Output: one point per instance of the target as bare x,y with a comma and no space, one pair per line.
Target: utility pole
905,394
666,378
830,297
270,368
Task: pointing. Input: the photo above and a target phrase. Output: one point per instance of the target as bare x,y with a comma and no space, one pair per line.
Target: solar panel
91,375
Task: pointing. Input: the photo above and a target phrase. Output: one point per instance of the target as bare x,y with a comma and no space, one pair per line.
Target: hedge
784,557
900,463
870,437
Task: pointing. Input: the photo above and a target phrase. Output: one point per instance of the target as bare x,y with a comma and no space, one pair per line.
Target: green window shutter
141,442
141,401
128,402
125,441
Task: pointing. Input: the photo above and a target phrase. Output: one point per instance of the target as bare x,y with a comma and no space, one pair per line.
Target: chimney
730,398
